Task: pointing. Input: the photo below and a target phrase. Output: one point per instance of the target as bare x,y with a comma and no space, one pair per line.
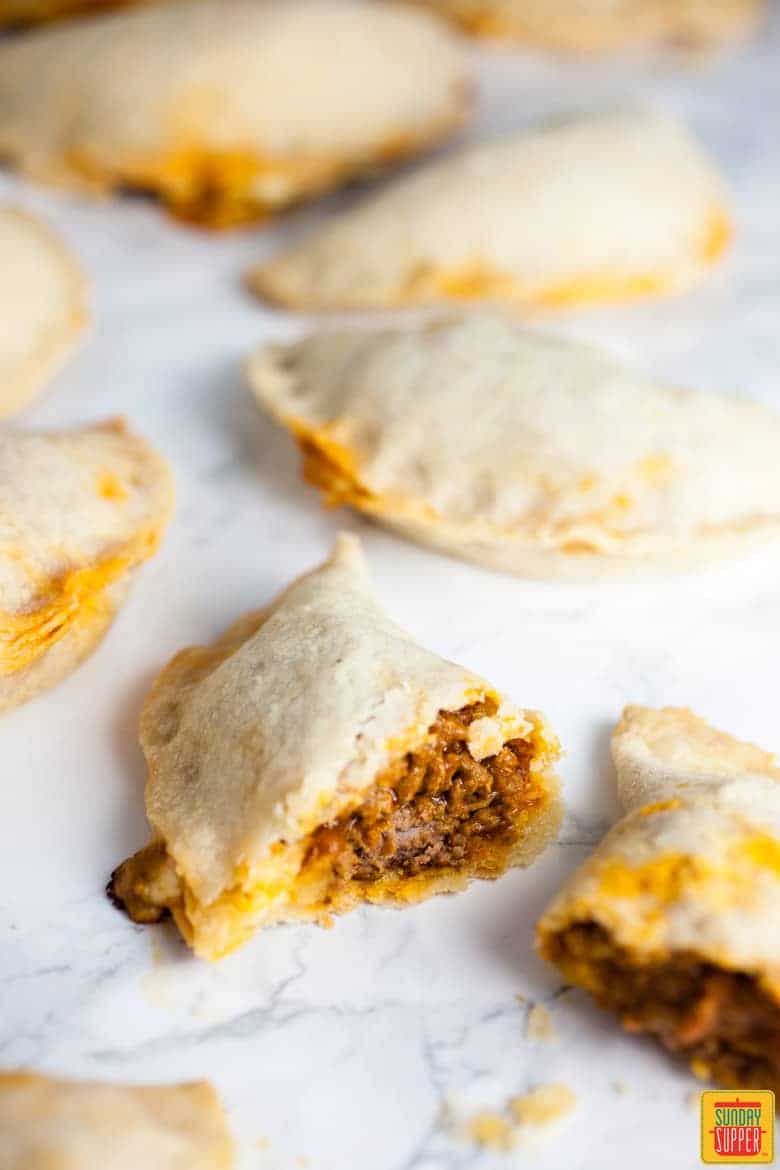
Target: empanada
231,110
599,26
524,452
674,922
42,306
602,208
79,511
48,1124
315,757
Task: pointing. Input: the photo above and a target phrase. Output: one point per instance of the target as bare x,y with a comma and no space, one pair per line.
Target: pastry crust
603,26
609,207
43,294
282,734
79,512
230,112
47,1123
682,898
523,452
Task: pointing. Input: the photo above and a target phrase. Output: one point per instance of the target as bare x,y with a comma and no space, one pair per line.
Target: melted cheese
73,597
224,188
763,851
481,281
664,878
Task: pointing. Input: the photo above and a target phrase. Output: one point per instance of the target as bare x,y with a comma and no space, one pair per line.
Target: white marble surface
345,1048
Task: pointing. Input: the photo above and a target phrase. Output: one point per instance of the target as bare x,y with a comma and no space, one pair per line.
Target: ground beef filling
719,1020
435,808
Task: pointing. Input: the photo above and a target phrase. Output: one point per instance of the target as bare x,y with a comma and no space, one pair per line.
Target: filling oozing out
434,809
721,1021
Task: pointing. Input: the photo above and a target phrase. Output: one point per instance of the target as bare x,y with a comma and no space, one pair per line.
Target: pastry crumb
620,1087
501,1130
543,1105
491,1131
521,999
540,1023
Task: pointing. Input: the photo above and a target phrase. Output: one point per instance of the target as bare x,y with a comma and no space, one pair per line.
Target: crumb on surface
501,1130
540,1023
543,1105
491,1131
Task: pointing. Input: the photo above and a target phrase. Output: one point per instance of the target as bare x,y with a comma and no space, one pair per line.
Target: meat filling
721,1021
434,809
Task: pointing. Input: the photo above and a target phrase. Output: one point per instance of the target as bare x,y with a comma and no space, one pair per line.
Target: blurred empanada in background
54,1124
315,757
230,110
80,510
602,26
602,208
674,922
43,306
524,452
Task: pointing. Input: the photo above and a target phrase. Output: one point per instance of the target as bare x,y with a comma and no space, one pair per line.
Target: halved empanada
79,511
523,452
48,1124
598,26
315,757
42,306
603,208
229,110
674,922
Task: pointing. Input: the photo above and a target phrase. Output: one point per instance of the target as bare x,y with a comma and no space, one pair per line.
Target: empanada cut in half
51,1124
315,757
602,26
79,511
230,111
42,306
523,452
674,922
608,207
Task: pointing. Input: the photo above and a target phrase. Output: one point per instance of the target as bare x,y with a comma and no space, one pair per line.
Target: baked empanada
524,452
79,511
42,306
48,1124
674,922
315,757
599,26
229,111
595,209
